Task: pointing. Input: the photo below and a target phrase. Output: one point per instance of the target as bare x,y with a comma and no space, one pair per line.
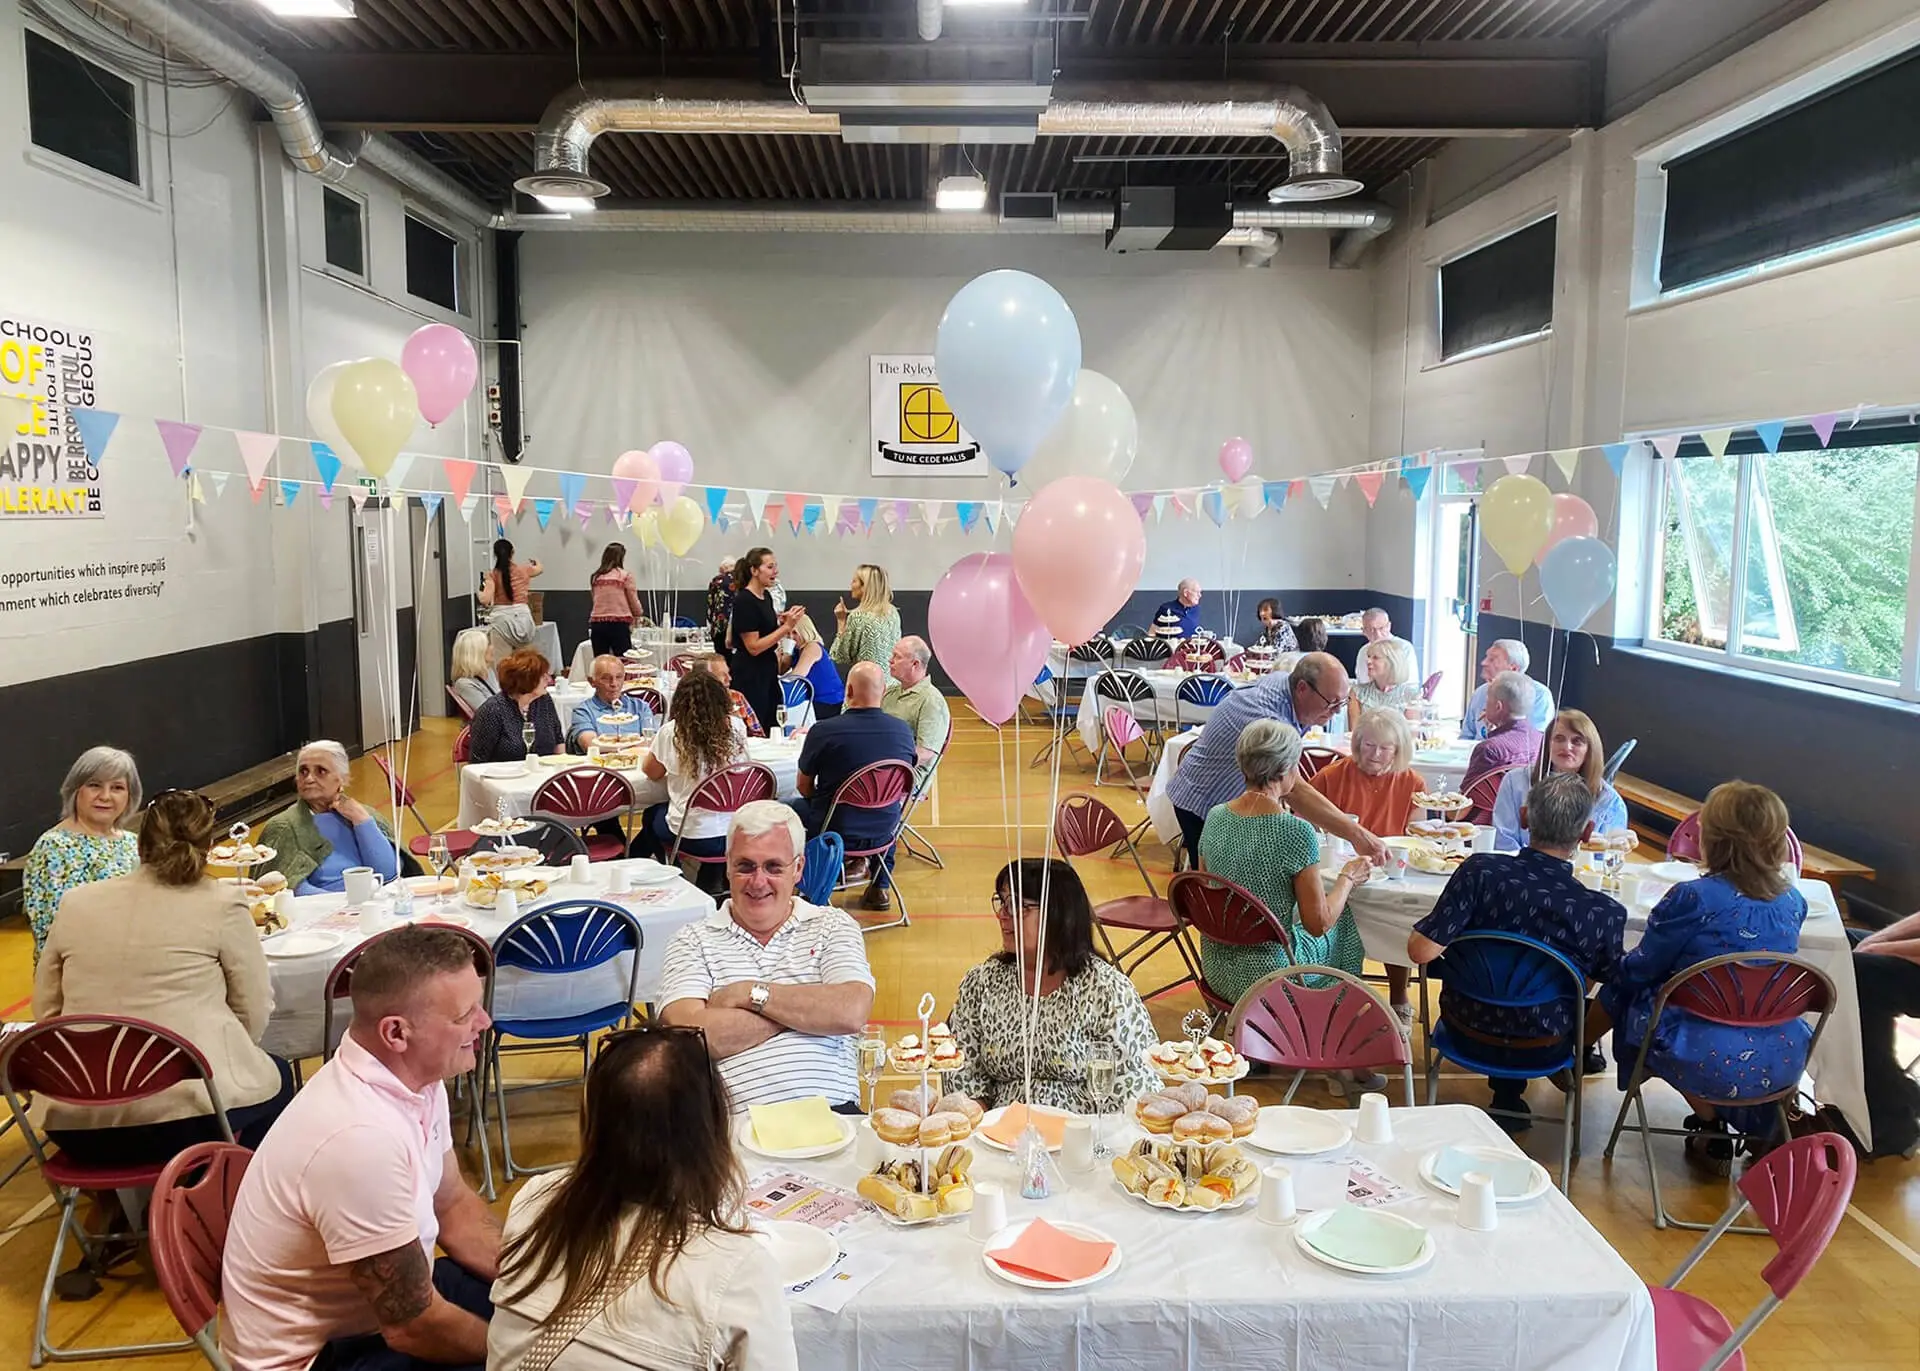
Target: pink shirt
349,1171
614,598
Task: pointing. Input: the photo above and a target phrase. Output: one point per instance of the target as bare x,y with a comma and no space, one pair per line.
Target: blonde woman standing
868,631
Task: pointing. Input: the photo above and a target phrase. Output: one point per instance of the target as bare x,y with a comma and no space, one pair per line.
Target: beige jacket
184,957
728,1312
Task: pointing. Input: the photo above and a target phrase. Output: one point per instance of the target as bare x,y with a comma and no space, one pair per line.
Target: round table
485,786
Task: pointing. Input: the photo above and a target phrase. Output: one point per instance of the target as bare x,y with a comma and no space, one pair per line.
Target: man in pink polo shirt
329,1259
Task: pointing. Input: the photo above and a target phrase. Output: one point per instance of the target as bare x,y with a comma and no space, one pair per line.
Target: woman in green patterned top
90,843
869,630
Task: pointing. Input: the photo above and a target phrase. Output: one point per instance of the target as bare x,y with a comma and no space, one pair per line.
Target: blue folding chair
1202,692
562,938
682,621
1056,707
1509,971
796,693
826,854
1618,760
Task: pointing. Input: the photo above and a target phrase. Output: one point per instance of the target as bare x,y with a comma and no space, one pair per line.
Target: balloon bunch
659,473
365,410
1528,525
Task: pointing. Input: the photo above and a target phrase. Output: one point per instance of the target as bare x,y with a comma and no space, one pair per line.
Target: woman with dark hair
616,604
168,945
503,591
637,1254
756,631
1311,635
1088,1008
702,735
1275,631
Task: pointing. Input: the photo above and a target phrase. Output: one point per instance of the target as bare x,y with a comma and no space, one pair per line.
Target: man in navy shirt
1185,607
862,734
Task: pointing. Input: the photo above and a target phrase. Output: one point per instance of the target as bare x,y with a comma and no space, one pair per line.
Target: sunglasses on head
178,791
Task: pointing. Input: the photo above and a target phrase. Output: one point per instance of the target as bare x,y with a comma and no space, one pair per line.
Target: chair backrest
1123,730
463,746
682,621
1337,1027
1486,789
1146,650
680,663
1204,691
1096,649
795,691
877,785
1509,970
187,1227
339,983
1431,685
1131,631
1127,686
826,855
556,843
731,787
459,703
1800,1192
1314,759
401,794
1751,990
583,795
1225,912
1684,844
566,936
99,1059
1618,759
1084,825
652,699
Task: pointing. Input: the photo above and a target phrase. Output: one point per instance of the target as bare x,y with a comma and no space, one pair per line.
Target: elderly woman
1088,1008
1275,631
1387,679
472,675
868,631
1745,903
92,842
170,946
324,832
499,725
1572,744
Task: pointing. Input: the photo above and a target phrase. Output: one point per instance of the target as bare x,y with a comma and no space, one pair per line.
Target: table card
1370,1187
832,1289
801,1199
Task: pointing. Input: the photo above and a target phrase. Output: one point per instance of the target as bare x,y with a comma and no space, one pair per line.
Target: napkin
1511,1175
1361,1237
1320,1185
1010,1125
1044,1253
794,1124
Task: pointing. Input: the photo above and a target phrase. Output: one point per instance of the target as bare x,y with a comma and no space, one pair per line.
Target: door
379,565
429,602
1451,628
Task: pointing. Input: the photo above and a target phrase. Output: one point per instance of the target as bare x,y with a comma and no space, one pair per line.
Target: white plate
303,942
258,856
1241,1201
744,1136
1006,1237
1294,1131
1542,1182
560,759
1673,872
800,1251
1314,1222
993,1116
644,873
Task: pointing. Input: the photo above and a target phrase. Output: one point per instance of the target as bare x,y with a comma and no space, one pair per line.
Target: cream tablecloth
483,785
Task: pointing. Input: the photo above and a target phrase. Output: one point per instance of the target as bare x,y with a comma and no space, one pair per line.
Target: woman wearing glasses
638,1254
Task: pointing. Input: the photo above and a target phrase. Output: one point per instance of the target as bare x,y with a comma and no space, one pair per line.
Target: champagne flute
873,1060
526,738
440,858
1102,1075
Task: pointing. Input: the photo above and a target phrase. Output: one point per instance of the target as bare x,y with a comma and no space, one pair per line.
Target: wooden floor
1859,1309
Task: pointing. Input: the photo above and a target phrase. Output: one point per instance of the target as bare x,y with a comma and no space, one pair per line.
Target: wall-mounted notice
913,431
44,469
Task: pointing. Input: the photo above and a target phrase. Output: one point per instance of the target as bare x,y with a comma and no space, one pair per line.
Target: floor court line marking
1889,1239
26,1220
15,1008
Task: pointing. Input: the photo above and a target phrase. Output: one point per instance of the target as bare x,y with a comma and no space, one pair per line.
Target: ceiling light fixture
961,192
1314,188
566,204
309,9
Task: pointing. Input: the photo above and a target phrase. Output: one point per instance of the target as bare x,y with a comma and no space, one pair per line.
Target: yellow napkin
793,1124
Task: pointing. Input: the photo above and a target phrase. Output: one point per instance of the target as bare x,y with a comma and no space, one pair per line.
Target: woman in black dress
756,631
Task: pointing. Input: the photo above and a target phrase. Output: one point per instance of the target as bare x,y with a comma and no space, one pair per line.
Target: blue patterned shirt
1209,774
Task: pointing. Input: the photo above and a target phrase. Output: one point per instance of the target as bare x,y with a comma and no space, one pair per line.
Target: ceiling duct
951,92
1170,218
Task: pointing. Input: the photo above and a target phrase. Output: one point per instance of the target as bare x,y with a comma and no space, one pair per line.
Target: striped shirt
815,946
1209,774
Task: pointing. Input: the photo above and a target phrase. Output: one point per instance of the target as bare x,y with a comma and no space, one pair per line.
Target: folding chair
460,841
655,702
1431,686
187,1225
1313,760
722,793
95,1060
1216,908
1146,651
826,858
1800,1191
876,786
460,704
1741,990
682,621
1198,654
1129,690
1618,759
1083,826
1484,791
1345,1026
1683,844
909,835
796,694
582,796
680,663
557,844
1202,692
1057,711
463,747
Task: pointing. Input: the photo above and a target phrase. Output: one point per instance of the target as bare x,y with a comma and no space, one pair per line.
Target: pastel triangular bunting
1667,444
1416,479
1716,440
431,503
289,492
179,440
1369,483
256,451
1616,455
1823,426
327,464
1770,434
1517,465
1322,488
219,479
1567,459
96,431
716,501
515,479
397,473
468,504
1276,492
572,486
756,504
459,477
543,510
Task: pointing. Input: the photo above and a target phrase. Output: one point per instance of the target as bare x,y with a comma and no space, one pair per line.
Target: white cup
1375,1125
989,1210
1483,838
1478,1209
376,916
1076,1152
361,883
1629,889
1276,1195
619,880
1396,863
283,906
868,1150
580,869
507,906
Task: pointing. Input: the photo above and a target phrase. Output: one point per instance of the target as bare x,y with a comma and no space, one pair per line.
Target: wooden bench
1816,862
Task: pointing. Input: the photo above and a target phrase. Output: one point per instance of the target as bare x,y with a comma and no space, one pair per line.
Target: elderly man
1512,739
1532,892
1376,625
1505,654
718,667
329,1256
779,986
916,701
1184,606
609,677
1309,695
863,733
325,831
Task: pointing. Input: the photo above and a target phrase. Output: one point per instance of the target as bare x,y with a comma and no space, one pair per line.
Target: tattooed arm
415,1319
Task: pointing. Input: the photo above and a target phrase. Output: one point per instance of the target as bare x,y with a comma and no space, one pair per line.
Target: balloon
674,461
681,525
376,408
320,415
986,634
640,468
1077,551
1097,436
1577,576
1516,514
440,362
649,526
1572,518
1236,458
1007,353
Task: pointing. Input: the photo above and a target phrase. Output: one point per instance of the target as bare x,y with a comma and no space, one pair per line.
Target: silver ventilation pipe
929,13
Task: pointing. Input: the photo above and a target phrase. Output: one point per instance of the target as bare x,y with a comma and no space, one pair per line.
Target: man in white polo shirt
781,987
329,1258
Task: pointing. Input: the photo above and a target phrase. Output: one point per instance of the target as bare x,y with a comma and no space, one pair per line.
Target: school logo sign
914,431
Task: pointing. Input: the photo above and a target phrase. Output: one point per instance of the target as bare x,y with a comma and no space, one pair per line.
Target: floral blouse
1097,1013
64,858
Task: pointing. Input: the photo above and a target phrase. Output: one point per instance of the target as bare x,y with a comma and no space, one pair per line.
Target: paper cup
507,905
1483,838
1076,1152
1478,1209
1375,1125
619,880
361,883
1276,1195
989,1210
283,906
868,1150
580,869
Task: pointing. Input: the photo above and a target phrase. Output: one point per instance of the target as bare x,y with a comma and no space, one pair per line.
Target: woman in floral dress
90,843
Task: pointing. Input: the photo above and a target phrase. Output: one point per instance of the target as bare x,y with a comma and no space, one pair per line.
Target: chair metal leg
1620,1119
1568,1131
1409,1072
1653,1172
43,1350
1294,1085
911,835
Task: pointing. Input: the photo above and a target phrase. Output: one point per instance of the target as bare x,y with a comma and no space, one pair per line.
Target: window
1499,292
433,265
345,231
81,111
1816,544
1843,164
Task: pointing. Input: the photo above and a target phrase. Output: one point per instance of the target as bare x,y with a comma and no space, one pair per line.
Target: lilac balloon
1236,458
986,634
674,461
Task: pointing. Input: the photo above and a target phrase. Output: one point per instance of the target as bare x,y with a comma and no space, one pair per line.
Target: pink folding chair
651,698
1217,908
460,704
680,663
1743,990
876,786
463,747
460,841
722,793
1484,791
1800,1192
1120,731
187,1220
1314,760
1084,826
581,796
1345,1026
1684,843
1431,686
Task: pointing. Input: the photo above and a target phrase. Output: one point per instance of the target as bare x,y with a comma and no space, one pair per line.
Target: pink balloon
674,461
1078,551
440,362
1572,518
641,469
1236,458
986,634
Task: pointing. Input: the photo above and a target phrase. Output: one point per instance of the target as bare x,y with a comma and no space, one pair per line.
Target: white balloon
1096,436
320,420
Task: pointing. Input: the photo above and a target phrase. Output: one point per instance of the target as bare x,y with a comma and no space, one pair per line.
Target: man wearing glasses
1309,695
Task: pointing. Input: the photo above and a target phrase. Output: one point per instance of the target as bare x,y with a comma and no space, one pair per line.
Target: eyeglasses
1336,705
178,791
1004,910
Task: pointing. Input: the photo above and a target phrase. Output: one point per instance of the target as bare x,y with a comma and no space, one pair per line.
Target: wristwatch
757,997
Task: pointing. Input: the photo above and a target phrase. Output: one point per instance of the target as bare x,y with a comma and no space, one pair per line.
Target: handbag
557,1335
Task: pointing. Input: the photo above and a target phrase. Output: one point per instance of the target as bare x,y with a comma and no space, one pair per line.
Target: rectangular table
1543,1292
484,785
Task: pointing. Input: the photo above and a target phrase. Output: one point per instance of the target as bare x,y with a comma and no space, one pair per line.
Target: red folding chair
652,699
1084,826
463,747
722,793
1431,686
460,841
1314,759
94,1061
1119,730
875,786
582,796
1484,791
909,835
1800,1192
1216,908
680,663
1345,1026
1742,990
187,1222
1684,843
460,704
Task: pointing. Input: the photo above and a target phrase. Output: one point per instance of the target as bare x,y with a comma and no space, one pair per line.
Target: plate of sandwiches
501,828
1443,832
1192,1179
1441,801
240,854
922,1190
483,891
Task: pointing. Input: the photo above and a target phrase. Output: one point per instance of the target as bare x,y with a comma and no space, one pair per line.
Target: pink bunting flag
256,451
1517,465
1469,474
179,440
585,510
902,511
359,494
501,506
1141,504
326,498
1295,489
930,512
1823,426
459,476
669,492
623,489
1667,444
1369,483
796,509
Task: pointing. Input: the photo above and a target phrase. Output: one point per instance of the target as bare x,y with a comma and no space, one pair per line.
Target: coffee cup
1483,838
376,916
361,882
989,1210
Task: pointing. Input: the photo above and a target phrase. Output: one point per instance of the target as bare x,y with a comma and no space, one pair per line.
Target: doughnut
1157,1113
956,1103
917,1101
935,1131
1242,1111
1201,1127
1193,1095
958,1124
897,1126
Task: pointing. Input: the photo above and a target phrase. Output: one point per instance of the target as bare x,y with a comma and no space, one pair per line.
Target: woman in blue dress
1746,903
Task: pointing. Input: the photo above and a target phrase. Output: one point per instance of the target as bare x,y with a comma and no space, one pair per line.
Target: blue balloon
1007,354
1577,576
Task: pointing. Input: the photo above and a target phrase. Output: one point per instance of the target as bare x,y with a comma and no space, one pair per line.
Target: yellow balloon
682,525
376,408
649,525
1516,514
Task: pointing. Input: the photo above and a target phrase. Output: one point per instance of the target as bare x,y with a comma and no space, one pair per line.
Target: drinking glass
440,858
526,737
873,1060
1102,1075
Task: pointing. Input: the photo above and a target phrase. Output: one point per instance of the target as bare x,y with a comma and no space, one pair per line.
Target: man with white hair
609,676
1376,625
1512,740
780,987
916,701
1184,606
1505,654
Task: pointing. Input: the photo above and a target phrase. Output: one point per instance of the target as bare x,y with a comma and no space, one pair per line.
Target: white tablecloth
659,643
1543,1292
483,785
1166,685
294,1030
